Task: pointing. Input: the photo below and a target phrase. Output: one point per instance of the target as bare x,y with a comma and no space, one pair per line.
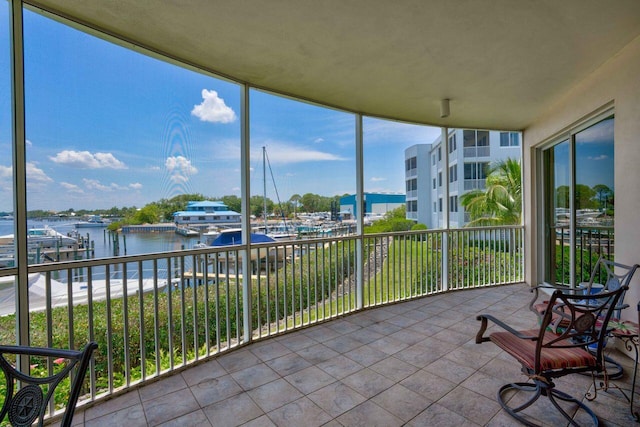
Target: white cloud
87,160
94,184
600,157
180,169
72,188
318,140
6,171
28,143
213,109
379,131
135,185
285,153
36,175
377,179
115,186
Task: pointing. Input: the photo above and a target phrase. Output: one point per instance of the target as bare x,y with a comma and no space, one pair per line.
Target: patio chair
606,276
553,351
27,396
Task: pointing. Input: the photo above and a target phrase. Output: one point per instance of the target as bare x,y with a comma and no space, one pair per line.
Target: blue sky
111,127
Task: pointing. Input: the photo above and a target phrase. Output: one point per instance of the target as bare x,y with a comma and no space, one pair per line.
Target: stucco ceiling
501,62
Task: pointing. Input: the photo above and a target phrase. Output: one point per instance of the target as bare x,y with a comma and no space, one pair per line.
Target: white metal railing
482,151
153,313
475,184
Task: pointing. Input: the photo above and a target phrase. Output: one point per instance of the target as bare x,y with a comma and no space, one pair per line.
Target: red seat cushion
550,358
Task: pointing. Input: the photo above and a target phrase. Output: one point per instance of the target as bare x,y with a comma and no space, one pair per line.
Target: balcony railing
475,184
155,313
590,242
483,151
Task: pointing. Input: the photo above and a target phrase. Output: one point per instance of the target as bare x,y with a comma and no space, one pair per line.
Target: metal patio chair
553,351
606,276
27,396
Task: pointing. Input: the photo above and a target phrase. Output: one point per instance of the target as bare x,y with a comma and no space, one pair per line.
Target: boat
210,235
49,293
233,236
187,232
282,231
44,237
93,221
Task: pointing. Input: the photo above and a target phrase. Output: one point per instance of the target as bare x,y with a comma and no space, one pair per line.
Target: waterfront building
427,167
375,205
206,212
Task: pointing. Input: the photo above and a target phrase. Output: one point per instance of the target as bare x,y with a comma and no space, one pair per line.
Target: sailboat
281,231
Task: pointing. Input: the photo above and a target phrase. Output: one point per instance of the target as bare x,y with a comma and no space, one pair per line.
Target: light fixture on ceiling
444,108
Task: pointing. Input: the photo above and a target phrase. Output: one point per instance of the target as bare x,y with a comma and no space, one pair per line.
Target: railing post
360,208
245,162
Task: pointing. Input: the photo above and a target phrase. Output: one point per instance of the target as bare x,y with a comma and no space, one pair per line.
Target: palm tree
501,202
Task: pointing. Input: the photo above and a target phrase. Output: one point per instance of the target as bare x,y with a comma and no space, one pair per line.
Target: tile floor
414,363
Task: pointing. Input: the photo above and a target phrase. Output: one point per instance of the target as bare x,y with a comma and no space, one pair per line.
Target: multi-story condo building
469,154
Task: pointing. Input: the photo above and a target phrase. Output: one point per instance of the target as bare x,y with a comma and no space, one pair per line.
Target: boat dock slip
149,228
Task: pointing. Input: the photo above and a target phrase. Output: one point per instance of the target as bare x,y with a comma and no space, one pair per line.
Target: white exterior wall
423,174
616,83
456,158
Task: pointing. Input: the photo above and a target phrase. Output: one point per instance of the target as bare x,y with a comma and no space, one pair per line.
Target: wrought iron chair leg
539,388
568,398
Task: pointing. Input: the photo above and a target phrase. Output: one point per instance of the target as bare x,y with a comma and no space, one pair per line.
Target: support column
19,173
445,208
245,194
361,211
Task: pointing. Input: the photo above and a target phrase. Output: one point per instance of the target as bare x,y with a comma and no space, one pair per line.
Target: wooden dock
149,228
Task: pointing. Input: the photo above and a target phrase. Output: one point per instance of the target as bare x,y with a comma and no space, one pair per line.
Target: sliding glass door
579,202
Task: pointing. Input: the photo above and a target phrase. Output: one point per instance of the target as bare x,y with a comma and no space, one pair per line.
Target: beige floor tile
368,382
254,376
192,419
131,416
470,404
336,398
274,395
203,372
402,402
116,404
394,369
169,406
162,387
300,413
368,414
288,364
310,379
415,362
233,411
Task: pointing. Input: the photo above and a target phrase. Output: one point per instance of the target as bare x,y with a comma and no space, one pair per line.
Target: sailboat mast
264,182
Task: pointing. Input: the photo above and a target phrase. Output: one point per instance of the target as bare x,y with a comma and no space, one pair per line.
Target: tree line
163,209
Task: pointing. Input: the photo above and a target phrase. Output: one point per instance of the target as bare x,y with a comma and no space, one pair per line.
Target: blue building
206,212
375,204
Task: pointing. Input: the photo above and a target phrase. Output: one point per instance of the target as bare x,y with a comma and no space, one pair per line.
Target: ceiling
501,62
